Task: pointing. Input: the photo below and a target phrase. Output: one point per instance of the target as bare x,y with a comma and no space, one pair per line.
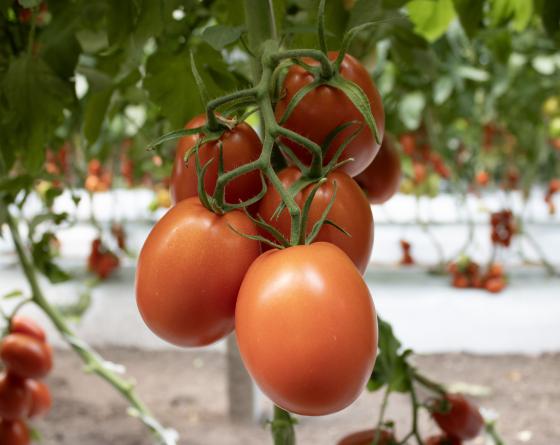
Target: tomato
408,143
15,397
442,440
325,108
26,356
495,284
381,179
106,264
27,326
461,420
307,328
41,400
14,433
384,437
189,272
240,145
351,211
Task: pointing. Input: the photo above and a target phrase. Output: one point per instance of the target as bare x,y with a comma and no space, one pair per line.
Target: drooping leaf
431,18
219,36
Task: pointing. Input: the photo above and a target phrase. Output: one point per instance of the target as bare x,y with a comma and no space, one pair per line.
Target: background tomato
367,437
307,328
381,179
189,272
27,326
325,108
351,211
26,356
442,440
41,400
462,420
14,433
15,397
240,145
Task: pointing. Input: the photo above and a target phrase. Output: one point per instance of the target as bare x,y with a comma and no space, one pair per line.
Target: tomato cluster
27,358
102,261
503,227
458,418
466,273
98,178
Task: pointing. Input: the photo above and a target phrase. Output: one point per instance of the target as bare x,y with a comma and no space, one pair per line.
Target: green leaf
411,108
431,18
443,89
121,16
219,36
150,20
365,11
12,294
470,14
551,17
518,11
42,255
96,106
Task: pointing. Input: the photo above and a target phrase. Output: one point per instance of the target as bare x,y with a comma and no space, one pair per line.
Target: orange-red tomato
384,437
41,400
15,397
442,440
240,145
307,328
461,420
382,178
325,108
27,326
14,433
26,356
351,211
189,272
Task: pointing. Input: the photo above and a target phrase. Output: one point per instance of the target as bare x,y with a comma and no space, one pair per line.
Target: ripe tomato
14,433
461,420
367,437
41,400
15,397
189,272
106,264
240,145
442,440
351,211
26,356
27,326
381,179
325,108
307,328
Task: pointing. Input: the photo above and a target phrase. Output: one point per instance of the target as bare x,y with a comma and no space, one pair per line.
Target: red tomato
27,326
189,272
15,397
41,400
461,420
325,108
495,284
384,437
442,440
240,145
351,211
382,178
408,143
26,356
106,264
307,328
14,433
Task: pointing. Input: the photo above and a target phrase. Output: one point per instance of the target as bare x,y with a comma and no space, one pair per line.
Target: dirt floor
186,390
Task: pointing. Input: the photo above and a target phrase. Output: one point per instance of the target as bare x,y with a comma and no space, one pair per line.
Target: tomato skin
442,440
325,108
15,397
366,438
26,356
351,211
382,178
307,328
27,326
41,400
240,145
189,272
14,433
463,420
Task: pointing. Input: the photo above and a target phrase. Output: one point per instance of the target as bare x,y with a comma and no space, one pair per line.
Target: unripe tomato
384,437
27,326
26,356
461,420
15,397
442,440
381,179
351,211
325,108
189,272
41,400
240,145
14,433
307,328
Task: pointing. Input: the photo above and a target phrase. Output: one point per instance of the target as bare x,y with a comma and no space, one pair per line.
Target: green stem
491,431
547,264
94,363
428,383
384,404
283,432
321,27
327,70
415,407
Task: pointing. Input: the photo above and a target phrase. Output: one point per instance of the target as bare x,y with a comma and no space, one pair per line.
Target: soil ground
187,390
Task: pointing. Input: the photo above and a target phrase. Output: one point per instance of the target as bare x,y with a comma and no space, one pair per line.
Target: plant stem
547,264
283,432
94,363
384,404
